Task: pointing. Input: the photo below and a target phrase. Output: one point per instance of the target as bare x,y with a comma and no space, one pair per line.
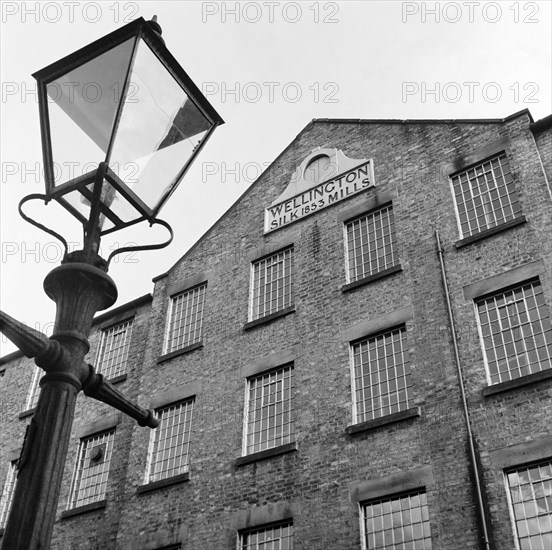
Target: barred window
34,390
397,523
7,494
485,196
530,494
186,319
271,284
92,469
516,333
371,244
381,375
269,411
277,537
170,442
115,342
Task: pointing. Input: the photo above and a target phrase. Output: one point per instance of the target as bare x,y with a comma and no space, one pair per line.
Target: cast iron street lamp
125,106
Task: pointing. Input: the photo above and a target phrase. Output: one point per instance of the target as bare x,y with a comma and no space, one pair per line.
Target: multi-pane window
277,537
114,347
271,284
530,492
269,410
381,375
7,494
397,523
92,469
516,332
170,442
34,390
186,319
485,196
371,244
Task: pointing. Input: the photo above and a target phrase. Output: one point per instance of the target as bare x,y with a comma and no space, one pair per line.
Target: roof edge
10,357
160,276
338,121
541,125
141,300
231,207
423,120
146,298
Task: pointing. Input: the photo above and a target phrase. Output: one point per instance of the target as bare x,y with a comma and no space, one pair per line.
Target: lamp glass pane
82,106
159,130
110,197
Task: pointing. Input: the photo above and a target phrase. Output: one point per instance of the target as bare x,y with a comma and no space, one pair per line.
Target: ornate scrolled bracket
144,247
36,196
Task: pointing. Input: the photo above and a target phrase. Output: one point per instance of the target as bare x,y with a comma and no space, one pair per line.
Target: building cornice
145,299
10,357
523,112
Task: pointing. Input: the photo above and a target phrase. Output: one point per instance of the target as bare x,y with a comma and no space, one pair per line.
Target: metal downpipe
480,505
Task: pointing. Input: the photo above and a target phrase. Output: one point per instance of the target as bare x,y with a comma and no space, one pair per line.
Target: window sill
269,318
154,485
518,382
371,278
261,455
118,379
28,412
489,232
181,351
83,509
383,421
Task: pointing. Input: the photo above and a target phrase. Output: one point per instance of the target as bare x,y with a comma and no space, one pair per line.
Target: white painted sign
319,197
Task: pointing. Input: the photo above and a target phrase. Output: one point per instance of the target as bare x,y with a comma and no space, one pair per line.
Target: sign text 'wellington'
319,197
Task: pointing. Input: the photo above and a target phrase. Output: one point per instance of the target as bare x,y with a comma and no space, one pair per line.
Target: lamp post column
79,290
34,505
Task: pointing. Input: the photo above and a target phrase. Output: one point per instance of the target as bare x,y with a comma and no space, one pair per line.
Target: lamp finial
156,27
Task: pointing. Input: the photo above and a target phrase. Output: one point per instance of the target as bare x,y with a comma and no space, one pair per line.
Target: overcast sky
268,68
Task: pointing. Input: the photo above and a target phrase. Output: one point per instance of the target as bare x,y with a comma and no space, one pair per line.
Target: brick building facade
313,390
